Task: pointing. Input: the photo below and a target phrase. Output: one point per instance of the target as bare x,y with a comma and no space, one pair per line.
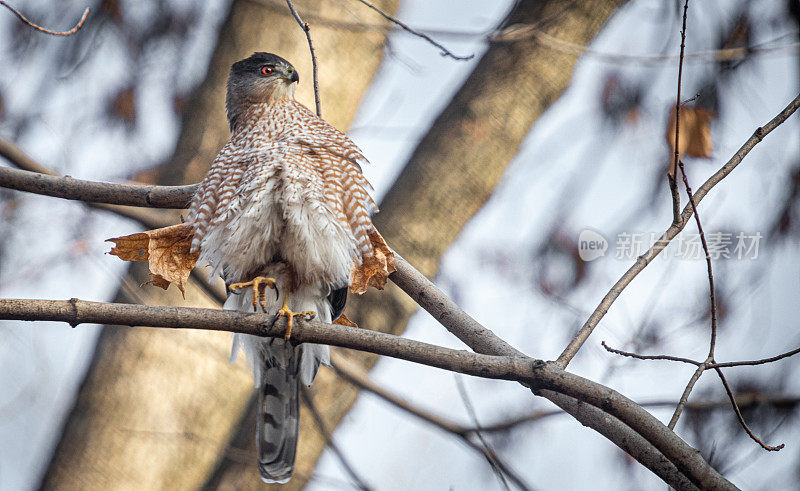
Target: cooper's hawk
285,207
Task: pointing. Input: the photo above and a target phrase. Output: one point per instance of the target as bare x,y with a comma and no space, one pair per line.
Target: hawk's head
263,77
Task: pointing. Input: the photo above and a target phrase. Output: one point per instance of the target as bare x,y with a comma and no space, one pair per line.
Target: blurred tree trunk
158,407
450,175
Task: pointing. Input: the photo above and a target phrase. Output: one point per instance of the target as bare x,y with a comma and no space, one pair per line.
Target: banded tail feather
278,370
277,423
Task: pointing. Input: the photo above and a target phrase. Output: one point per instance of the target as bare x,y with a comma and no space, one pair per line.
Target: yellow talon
259,285
286,312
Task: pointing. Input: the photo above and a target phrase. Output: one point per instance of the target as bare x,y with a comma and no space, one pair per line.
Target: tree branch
308,399
642,261
739,416
445,51
546,378
39,28
149,218
743,400
755,362
649,357
307,30
175,197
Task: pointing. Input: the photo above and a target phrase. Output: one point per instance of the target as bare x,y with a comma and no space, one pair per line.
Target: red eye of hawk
266,70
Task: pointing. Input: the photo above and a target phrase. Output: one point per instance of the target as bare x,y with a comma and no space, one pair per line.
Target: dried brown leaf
165,249
694,137
374,270
342,320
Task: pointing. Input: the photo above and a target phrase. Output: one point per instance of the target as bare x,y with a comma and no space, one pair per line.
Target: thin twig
354,375
491,455
672,174
712,295
685,396
691,99
744,401
445,51
676,199
714,364
649,357
755,362
308,399
645,259
44,29
674,168
307,30
738,412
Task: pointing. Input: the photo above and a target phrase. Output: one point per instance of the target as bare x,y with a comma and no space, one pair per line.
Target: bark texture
157,408
449,176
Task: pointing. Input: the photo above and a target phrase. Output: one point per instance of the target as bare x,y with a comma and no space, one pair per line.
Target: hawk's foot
286,312
259,285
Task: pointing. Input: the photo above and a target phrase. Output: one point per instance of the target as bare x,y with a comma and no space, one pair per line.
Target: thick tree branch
67,187
545,378
149,218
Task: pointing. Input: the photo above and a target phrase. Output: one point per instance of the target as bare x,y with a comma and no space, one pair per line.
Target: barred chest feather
283,191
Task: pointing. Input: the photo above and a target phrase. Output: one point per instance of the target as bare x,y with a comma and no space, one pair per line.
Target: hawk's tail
278,409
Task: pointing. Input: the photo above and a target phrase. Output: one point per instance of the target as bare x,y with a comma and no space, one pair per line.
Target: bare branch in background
642,261
649,357
356,376
744,401
308,399
521,32
445,51
39,28
739,416
491,454
701,367
307,30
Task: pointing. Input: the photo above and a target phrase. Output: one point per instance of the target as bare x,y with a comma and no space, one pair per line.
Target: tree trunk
157,408
450,175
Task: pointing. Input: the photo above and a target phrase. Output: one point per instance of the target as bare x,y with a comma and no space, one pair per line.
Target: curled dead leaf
374,270
694,138
342,320
165,249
